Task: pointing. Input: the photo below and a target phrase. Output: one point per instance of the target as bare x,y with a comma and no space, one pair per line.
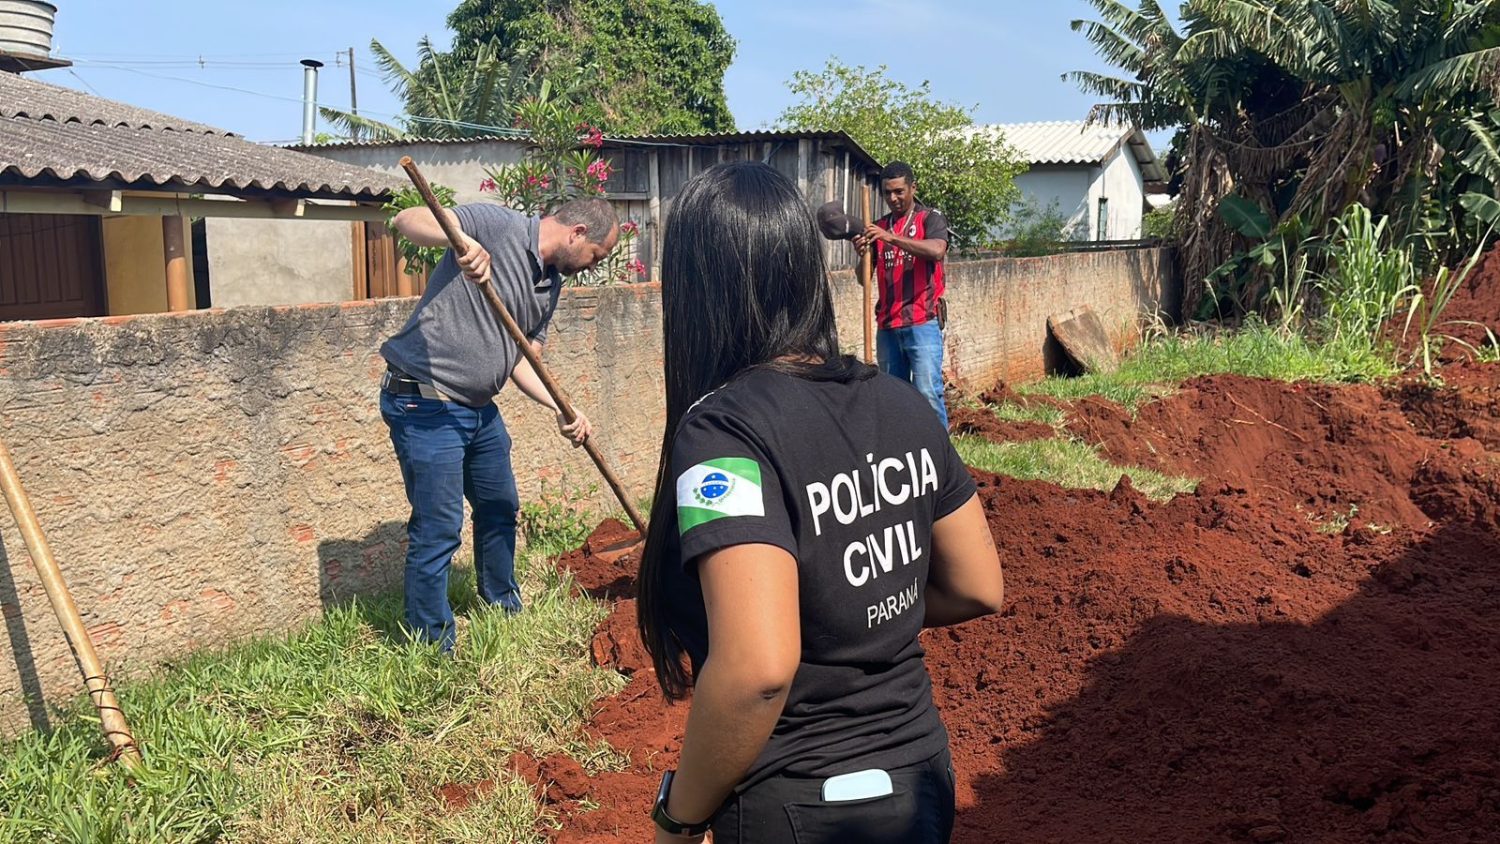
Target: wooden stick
1265,420
455,239
111,717
867,282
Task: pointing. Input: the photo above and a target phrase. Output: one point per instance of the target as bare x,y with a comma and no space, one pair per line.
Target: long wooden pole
867,281
455,239
111,717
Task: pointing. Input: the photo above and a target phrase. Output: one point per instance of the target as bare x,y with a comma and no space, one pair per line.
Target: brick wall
212,475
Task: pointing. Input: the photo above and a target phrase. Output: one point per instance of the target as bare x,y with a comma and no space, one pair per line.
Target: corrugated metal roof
54,133
755,136
741,137
1077,142
410,140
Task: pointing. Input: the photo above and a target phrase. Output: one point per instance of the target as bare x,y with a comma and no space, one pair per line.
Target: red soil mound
1329,450
1466,405
637,721
1215,668
1476,301
983,422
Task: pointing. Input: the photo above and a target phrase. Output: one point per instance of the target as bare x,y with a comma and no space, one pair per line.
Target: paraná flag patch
718,489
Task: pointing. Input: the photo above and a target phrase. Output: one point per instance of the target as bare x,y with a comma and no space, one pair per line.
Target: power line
200,82
85,82
199,61
216,86
500,131
219,66
435,120
202,64
224,60
207,63
196,56
214,64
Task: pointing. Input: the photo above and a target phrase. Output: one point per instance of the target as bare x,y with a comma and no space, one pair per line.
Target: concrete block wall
253,262
213,475
998,309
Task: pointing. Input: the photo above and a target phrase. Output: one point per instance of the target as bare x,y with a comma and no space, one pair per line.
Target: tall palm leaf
1143,43
446,96
1451,76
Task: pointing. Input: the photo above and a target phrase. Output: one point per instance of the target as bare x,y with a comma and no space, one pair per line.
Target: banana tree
1301,106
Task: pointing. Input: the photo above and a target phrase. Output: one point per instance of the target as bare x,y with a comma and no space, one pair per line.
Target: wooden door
51,266
379,271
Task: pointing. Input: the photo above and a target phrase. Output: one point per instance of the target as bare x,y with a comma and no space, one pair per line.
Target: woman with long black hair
811,517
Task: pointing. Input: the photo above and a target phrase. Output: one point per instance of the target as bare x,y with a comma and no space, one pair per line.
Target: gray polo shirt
454,340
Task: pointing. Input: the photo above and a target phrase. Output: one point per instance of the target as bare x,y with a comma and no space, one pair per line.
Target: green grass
1067,463
1488,352
1337,521
1256,350
334,734
1044,414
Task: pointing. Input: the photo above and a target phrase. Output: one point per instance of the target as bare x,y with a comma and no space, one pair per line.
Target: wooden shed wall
649,177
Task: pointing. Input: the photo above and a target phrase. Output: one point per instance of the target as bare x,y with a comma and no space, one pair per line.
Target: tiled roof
50,134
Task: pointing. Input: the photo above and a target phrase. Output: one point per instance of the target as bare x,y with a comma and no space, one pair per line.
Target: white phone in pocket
860,785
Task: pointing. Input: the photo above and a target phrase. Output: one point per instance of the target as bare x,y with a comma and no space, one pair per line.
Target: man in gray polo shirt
445,367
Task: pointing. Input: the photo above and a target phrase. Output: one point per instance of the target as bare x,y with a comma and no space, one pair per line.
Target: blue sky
168,54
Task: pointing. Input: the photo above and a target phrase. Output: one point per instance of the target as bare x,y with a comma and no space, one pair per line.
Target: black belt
398,383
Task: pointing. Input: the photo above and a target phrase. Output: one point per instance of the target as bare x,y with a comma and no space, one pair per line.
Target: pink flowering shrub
563,163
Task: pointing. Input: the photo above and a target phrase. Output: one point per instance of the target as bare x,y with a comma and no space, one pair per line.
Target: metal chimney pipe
309,98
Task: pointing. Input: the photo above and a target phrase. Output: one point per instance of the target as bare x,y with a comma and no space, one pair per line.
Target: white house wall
458,166
1076,192
1068,189
1121,183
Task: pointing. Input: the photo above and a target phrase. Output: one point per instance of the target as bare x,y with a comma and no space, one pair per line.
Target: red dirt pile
1232,665
1465,406
636,721
980,421
1412,456
984,423
1476,301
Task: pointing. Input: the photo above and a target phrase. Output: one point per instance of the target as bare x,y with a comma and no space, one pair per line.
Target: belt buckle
391,380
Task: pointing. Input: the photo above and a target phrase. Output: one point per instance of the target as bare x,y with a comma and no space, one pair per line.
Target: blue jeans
449,452
915,354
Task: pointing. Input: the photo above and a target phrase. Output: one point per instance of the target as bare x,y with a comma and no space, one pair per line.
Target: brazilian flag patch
718,489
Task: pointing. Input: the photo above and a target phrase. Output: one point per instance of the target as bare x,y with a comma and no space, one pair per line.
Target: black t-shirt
848,478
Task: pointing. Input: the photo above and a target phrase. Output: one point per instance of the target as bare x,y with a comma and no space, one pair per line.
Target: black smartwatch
666,822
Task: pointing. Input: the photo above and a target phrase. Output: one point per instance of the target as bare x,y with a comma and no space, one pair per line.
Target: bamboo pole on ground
111,717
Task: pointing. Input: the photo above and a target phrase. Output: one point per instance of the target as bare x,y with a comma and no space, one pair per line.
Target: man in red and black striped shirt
910,244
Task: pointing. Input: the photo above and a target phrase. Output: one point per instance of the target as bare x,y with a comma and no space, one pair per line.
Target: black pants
790,810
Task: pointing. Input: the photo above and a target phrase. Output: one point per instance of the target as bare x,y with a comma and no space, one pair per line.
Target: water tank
26,27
